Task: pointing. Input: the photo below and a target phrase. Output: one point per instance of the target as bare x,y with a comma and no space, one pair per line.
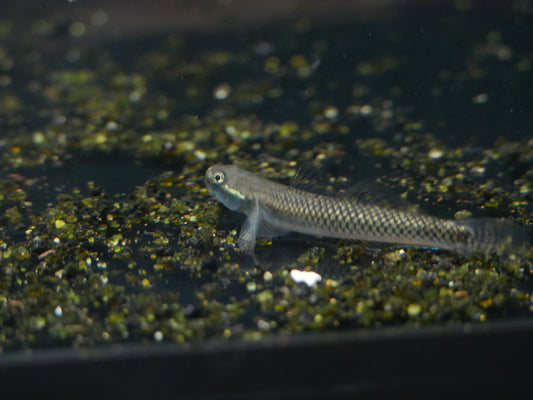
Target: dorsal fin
367,191
310,179
373,193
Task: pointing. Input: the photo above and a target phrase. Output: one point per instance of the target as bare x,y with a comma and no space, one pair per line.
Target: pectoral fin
250,229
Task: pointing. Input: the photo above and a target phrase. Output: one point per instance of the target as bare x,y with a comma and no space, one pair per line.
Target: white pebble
310,278
222,91
435,153
263,325
267,276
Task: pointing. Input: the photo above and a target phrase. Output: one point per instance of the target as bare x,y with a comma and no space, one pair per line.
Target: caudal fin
489,235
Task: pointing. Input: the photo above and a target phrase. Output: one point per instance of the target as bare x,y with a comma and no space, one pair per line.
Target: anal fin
267,230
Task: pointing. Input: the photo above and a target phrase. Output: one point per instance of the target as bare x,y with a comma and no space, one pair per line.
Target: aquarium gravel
108,234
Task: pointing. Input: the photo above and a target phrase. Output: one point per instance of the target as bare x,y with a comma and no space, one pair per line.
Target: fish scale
330,216
274,209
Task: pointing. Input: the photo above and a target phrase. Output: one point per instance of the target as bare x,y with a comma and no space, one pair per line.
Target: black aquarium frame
490,360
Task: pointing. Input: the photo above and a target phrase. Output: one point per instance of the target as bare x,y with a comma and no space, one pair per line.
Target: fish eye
218,178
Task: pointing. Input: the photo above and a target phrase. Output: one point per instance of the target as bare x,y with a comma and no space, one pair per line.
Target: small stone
38,138
331,112
200,155
267,276
366,109
435,153
111,126
462,214
480,98
58,312
265,296
310,278
263,325
477,170
414,309
222,91
251,287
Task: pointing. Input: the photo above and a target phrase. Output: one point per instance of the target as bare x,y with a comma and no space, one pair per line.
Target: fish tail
489,235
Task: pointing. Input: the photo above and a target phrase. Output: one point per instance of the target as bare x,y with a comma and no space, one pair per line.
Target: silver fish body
273,209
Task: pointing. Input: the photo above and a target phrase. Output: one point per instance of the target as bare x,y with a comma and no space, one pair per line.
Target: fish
273,209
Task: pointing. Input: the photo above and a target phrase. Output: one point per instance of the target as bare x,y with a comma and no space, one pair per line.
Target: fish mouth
210,188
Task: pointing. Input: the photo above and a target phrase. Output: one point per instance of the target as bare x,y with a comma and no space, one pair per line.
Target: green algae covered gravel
107,234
